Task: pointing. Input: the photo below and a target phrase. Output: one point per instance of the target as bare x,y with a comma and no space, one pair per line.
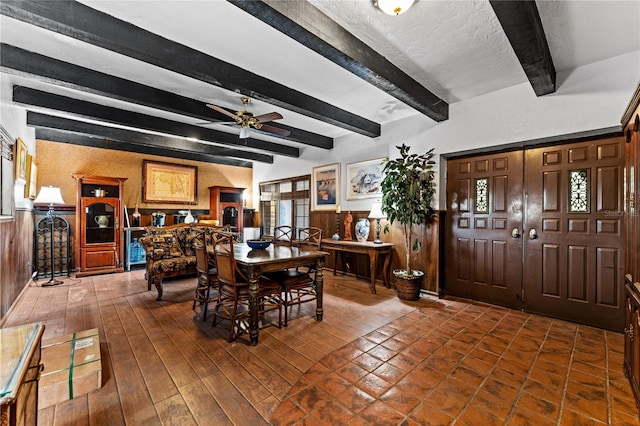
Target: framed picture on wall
325,187
364,179
21,160
169,183
32,178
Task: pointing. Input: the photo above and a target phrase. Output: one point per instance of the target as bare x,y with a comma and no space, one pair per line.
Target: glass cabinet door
100,223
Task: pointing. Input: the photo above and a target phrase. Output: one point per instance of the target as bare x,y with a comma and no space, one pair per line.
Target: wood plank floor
163,365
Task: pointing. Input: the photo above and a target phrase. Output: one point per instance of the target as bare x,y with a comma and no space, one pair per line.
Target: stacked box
72,367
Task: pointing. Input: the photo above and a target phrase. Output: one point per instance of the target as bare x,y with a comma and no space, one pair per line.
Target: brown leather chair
233,294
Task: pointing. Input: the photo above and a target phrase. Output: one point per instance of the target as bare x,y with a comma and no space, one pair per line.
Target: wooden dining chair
207,271
283,235
233,294
299,285
207,286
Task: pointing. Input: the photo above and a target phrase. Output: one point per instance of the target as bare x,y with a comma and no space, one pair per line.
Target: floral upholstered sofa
169,251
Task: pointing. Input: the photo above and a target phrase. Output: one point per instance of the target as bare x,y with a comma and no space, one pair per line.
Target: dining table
273,258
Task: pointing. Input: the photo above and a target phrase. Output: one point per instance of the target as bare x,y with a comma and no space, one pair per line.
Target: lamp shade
376,211
244,132
394,7
49,195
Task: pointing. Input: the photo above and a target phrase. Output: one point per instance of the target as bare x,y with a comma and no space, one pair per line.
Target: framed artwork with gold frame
32,178
169,183
21,160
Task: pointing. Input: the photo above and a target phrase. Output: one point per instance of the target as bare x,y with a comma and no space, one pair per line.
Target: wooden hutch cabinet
631,127
99,224
225,205
632,338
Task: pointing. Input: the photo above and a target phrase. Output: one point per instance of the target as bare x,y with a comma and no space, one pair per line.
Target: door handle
533,234
515,233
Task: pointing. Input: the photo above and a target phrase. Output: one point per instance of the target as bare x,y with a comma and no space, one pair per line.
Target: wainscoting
16,246
429,259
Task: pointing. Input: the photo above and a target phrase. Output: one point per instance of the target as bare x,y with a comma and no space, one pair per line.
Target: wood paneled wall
429,259
16,246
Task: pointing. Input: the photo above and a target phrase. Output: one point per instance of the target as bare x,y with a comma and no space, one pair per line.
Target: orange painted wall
57,161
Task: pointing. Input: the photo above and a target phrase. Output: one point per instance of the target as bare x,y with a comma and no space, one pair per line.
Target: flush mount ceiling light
393,7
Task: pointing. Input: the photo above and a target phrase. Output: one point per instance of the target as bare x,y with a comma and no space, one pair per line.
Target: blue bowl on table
258,244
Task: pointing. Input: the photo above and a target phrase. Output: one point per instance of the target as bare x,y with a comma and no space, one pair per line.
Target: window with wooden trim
579,191
482,195
285,202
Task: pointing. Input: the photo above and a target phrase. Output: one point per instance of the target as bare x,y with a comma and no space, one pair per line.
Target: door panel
485,203
573,268
567,259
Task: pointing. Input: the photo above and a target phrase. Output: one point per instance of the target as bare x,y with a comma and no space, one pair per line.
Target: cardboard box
72,367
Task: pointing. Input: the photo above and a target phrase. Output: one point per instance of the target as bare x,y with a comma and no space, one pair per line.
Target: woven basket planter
408,287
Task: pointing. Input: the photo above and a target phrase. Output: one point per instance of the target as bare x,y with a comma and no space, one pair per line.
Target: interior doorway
540,229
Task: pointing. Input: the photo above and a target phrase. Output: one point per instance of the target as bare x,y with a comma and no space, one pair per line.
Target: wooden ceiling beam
304,23
83,23
40,120
521,23
61,136
22,62
38,98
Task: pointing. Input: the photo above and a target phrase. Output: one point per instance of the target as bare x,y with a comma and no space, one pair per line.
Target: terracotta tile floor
374,360
455,362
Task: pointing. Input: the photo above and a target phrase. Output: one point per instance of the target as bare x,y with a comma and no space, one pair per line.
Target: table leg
345,262
319,289
254,274
385,268
373,262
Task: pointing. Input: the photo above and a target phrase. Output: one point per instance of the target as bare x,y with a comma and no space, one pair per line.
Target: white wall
588,98
14,119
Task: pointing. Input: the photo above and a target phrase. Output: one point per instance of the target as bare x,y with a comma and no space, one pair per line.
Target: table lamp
377,214
50,195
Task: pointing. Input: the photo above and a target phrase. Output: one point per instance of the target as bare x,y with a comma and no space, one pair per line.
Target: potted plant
407,193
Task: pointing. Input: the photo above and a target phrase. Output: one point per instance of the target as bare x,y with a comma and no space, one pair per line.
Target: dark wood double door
540,229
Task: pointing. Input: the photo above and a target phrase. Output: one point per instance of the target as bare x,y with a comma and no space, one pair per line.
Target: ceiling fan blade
274,130
268,117
222,111
205,123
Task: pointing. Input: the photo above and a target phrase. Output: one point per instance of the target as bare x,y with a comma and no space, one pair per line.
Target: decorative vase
408,287
102,220
362,230
135,217
189,218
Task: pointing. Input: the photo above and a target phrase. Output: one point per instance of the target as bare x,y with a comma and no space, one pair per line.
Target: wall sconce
393,7
377,214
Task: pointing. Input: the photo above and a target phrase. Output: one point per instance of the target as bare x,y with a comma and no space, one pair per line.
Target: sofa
169,251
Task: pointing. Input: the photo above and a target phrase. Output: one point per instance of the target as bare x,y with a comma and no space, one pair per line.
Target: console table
369,248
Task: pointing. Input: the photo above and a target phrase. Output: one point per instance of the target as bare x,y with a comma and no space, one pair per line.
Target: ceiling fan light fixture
393,7
244,132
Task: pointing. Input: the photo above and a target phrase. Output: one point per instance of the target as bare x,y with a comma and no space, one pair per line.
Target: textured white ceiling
455,48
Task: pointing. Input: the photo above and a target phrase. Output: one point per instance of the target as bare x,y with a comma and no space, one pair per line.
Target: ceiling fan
246,120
